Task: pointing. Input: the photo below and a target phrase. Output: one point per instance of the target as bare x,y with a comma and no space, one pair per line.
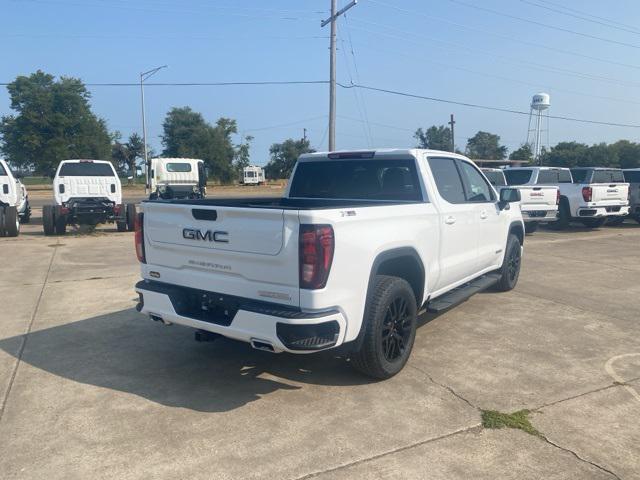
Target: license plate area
205,306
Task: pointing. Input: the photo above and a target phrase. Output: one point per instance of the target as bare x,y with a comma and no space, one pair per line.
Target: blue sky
440,48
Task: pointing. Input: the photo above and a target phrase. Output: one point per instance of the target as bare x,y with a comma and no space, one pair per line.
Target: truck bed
281,203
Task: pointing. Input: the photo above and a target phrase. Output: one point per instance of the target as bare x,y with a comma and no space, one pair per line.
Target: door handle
483,215
450,220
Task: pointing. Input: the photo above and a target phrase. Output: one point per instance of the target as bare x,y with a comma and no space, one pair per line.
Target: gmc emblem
207,235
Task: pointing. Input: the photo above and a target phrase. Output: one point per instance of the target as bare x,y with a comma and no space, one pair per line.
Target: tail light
139,236
558,197
587,193
316,255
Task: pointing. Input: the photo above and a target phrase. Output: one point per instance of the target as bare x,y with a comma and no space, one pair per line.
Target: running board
462,293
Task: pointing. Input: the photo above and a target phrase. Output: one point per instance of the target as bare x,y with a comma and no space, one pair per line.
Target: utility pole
452,122
304,135
143,77
332,66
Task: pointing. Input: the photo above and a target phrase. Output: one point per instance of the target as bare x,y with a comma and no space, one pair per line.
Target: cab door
458,223
491,220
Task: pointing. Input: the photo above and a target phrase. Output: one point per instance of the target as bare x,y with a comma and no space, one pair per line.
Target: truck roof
178,159
596,168
378,153
538,168
82,160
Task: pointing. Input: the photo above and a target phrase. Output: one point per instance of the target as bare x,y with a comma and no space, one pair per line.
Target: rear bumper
542,215
285,329
596,212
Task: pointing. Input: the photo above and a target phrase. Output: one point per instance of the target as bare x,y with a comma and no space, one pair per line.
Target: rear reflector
558,197
587,193
139,238
316,255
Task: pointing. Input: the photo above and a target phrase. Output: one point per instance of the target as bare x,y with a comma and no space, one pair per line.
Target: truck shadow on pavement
127,352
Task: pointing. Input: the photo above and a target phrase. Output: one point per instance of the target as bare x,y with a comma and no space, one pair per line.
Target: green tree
628,153
125,155
486,146
53,122
434,138
284,156
242,155
522,153
600,155
188,134
566,154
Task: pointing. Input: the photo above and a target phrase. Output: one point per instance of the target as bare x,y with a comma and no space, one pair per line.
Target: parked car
177,178
587,195
252,175
632,177
14,202
359,244
86,192
539,204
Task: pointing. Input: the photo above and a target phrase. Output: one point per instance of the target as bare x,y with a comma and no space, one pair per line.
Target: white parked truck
360,243
587,195
14,202
252,175
539,203
86,192
177,178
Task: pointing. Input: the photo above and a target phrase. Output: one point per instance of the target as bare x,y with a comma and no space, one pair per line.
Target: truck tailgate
245,252
609,194
542,196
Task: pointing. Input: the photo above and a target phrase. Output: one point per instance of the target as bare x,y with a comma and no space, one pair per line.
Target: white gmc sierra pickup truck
587,195
539,203
359,244
14,202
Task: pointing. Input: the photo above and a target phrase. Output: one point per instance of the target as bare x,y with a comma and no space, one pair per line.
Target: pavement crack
575,454
446,387
390,452
23,342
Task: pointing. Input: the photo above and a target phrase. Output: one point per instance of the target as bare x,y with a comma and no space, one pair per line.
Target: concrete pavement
89,388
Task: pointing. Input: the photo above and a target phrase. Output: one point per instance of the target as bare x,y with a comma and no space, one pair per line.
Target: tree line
53,121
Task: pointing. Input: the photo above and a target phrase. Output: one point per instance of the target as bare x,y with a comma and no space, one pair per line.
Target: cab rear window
552,177
496,178
178,167
608,176
392,180
517,177
632,177
86,169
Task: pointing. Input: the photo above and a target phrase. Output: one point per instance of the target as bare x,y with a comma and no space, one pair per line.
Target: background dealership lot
96,389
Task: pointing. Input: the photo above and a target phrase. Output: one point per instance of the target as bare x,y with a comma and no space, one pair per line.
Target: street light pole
332,66
143,77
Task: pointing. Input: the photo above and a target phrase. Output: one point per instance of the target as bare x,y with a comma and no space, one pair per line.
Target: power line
614,22
200,84
516,61
283,125
486,107
581,17
413,13
545,25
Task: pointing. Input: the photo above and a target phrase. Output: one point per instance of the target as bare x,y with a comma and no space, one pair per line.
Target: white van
252,175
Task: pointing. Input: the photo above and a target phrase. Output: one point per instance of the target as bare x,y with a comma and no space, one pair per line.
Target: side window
447,178
476,187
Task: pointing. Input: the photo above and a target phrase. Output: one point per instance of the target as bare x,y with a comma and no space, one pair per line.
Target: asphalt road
89,388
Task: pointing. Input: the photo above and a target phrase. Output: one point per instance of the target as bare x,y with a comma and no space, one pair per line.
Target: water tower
539,124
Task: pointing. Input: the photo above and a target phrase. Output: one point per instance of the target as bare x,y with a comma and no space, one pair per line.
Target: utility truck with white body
539,203
14,202
587,195
360,243
252,175
86,192
177,178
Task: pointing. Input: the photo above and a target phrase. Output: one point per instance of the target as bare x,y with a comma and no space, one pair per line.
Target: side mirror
508,196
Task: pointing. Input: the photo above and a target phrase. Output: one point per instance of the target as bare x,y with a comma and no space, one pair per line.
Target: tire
48,220
531,227
11,222
60,221
121,226
593,222
510,269
616,221
637,218
390,329
131,216
26,216
2,230
564,216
